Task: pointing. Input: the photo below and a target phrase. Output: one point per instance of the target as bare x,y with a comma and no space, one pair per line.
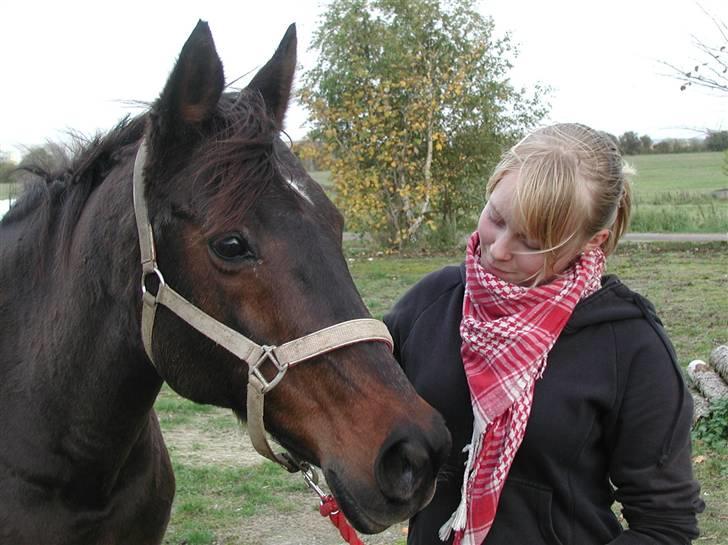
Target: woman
559,385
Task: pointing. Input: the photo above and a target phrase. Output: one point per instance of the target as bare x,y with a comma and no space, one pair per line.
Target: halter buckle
268,354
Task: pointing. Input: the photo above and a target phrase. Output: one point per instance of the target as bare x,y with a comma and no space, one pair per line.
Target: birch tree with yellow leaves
412,105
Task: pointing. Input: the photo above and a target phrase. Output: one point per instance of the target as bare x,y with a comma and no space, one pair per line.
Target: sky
78,65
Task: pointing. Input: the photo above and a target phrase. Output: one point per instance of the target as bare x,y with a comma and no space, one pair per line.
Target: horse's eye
231,247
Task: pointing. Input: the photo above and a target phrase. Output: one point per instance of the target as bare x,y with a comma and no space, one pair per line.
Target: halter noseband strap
282,357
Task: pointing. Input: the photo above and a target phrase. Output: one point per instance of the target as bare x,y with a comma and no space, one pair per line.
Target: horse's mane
74,175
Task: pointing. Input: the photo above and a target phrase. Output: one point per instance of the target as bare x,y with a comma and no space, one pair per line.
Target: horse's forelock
237,164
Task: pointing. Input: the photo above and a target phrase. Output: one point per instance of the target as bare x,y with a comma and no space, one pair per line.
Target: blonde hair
571,184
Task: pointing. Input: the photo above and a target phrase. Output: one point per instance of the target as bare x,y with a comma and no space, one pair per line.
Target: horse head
246,236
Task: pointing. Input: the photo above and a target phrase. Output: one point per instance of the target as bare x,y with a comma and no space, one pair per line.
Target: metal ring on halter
268,354
145,274
149,298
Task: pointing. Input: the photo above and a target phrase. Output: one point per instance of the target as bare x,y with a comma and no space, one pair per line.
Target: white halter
282,357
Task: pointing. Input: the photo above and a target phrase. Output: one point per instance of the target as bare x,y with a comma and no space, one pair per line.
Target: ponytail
621,223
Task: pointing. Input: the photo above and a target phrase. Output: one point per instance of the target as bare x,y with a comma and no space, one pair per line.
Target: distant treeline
631,143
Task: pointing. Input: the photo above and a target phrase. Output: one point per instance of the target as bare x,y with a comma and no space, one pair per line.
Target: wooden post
719,361
707,381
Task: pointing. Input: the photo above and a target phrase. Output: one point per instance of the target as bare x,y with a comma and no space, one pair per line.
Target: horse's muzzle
405,472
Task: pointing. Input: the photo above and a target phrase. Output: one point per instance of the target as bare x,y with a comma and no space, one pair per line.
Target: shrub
713,428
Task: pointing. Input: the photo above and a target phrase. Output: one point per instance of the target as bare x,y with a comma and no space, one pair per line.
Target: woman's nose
500,249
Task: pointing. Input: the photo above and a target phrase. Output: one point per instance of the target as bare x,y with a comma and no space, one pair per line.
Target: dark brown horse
247,237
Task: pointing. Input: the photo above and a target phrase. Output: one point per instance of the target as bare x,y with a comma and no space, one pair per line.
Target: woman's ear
597,240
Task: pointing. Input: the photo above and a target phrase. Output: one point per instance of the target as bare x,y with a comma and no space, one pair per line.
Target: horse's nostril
402,469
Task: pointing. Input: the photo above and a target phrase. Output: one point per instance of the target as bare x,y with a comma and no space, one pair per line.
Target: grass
174,412
381,280
687,216
711,470
212,502
686,282
678,172
672,193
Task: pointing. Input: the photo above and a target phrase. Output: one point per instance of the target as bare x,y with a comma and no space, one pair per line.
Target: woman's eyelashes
498,221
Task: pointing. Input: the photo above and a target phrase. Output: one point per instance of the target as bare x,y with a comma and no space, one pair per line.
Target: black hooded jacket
610,422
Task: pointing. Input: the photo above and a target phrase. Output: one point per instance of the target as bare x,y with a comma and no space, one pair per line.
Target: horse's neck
82,364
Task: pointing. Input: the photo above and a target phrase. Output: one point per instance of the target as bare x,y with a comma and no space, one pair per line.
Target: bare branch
710,71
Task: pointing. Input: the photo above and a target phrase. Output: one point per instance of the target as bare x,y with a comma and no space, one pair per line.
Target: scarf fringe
459,518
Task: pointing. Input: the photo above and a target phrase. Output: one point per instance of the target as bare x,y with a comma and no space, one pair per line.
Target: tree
645,144
630,143
710,71
717,140
412,102
51,157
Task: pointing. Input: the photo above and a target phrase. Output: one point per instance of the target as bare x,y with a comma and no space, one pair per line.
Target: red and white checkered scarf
507,332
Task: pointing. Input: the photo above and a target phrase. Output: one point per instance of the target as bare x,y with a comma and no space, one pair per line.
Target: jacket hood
613,302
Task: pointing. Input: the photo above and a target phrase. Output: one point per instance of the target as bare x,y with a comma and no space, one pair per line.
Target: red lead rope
329,507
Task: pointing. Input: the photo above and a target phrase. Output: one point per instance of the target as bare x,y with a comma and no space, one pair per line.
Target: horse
201,200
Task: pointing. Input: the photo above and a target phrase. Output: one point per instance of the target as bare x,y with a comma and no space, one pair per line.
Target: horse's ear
193,89
275,79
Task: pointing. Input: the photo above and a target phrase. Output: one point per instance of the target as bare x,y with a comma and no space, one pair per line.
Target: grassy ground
678,172
673,193
219,502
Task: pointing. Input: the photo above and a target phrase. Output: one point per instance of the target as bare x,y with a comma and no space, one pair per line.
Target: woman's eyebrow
495,208
518,232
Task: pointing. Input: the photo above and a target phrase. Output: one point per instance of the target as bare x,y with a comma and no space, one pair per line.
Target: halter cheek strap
282,357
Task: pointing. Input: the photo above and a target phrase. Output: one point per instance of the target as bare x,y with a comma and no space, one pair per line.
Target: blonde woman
559,385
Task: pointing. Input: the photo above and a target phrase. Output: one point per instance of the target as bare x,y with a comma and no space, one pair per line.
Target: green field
673,193
655,174
218,503
678,173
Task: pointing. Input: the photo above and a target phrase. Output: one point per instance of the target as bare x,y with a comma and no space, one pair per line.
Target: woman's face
504,250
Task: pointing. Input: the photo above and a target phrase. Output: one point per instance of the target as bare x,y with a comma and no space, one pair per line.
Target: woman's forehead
503,196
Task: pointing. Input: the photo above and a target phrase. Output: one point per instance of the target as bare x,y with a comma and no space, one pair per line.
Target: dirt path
197,444
304,526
